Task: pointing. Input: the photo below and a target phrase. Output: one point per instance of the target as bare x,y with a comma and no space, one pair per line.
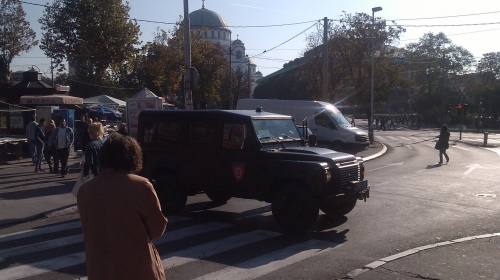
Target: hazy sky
476,23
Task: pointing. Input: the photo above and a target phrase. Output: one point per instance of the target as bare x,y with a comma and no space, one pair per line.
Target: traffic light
466,108
448,108
459,109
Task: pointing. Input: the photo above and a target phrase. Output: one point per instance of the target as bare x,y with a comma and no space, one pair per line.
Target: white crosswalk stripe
37,242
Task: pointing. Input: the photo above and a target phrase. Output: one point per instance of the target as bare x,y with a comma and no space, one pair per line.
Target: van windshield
338,118
275,129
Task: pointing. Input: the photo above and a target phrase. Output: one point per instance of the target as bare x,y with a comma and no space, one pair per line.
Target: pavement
470,257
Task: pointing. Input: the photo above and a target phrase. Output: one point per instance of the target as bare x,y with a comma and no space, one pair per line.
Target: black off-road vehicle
247,154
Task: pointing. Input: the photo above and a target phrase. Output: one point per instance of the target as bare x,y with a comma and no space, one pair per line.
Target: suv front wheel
171,195
294,208
339,206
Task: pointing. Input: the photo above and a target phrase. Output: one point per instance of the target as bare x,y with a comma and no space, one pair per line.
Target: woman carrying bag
96,132
442,144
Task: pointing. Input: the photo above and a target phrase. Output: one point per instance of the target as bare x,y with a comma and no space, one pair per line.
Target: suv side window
233,136
165,132
200,134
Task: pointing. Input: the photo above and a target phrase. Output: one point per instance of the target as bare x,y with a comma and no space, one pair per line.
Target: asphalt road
412,203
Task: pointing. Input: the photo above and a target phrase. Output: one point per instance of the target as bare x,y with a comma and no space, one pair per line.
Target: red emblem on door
238,170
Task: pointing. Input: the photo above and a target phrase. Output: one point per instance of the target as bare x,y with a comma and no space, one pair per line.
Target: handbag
79,182
438,146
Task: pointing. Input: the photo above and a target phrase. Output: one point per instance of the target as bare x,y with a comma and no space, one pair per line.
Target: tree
436,62
16,35
349,49
94,36
489,66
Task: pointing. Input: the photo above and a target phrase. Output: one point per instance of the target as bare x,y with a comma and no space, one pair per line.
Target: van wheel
218,196
338,207
171,195
294,208
337,146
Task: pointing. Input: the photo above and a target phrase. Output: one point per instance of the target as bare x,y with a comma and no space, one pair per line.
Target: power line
463,33
448,16
445,25
98,85
286,40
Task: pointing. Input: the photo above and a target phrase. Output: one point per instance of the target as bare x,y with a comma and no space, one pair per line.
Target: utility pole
52,71
230,74
324,96
188,95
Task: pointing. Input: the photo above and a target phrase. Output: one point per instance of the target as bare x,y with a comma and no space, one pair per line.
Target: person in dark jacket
39,144
85,134
443,145
122,129
96,132
48,151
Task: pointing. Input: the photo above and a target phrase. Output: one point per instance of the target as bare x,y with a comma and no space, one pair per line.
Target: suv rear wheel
294,208
171,195
338,207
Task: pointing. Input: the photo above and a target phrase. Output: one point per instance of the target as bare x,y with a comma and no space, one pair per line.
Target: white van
332,129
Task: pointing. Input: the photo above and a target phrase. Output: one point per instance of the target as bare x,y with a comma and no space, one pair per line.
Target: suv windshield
275,129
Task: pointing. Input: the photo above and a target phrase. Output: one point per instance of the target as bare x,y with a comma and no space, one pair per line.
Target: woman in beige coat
120,215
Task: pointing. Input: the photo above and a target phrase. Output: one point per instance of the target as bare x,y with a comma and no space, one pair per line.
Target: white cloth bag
79,182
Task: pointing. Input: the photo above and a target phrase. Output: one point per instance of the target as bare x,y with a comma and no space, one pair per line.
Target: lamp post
370,125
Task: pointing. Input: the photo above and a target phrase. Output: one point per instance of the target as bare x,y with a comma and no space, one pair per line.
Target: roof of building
206,18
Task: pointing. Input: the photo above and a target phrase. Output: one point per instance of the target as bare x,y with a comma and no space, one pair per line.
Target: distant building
212,26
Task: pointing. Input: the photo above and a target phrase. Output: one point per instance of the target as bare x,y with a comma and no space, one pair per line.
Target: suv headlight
328,175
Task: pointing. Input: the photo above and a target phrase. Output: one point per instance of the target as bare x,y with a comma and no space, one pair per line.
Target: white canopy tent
104,100
144,93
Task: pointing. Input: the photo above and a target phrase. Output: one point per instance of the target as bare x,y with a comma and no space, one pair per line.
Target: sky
263,25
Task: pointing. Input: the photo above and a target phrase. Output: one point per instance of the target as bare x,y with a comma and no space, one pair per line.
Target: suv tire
294,208
338,207
171,195
218,196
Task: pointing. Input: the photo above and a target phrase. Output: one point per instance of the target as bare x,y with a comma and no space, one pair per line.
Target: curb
383,151
373,265
65,210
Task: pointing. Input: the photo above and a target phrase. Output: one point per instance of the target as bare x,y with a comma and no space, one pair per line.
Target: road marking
54,243
416,139
40,231
407,146
213,248
273,261
387,165
37,268
461,148
392,138
380,138
404,138
496,150
471,168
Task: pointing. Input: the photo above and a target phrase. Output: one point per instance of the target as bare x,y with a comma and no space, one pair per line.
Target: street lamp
370,125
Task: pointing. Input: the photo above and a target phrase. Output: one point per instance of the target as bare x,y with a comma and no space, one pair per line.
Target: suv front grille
348,174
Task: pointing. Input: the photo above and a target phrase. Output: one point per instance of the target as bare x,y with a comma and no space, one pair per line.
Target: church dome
237,42
206,18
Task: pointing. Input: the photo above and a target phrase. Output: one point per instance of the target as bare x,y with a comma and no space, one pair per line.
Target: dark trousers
62,156
39,154
48,153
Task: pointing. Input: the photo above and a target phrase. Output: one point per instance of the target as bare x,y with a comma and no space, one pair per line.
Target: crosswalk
41,252
404,139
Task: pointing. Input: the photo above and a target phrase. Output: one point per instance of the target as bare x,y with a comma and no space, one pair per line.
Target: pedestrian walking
442,143
39,145
63,138
30,136
392,123
49,149
121,215
480,126
96,132
376,123
382,123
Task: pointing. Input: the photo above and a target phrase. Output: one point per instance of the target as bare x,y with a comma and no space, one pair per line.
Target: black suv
247,154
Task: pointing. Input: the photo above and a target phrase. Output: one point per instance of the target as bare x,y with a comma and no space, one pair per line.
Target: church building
217,32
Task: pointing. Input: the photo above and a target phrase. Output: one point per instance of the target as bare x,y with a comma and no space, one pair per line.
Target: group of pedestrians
53,143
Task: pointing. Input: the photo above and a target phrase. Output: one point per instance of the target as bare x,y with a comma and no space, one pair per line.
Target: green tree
349,49
489,66
94,36
16,35
436,63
